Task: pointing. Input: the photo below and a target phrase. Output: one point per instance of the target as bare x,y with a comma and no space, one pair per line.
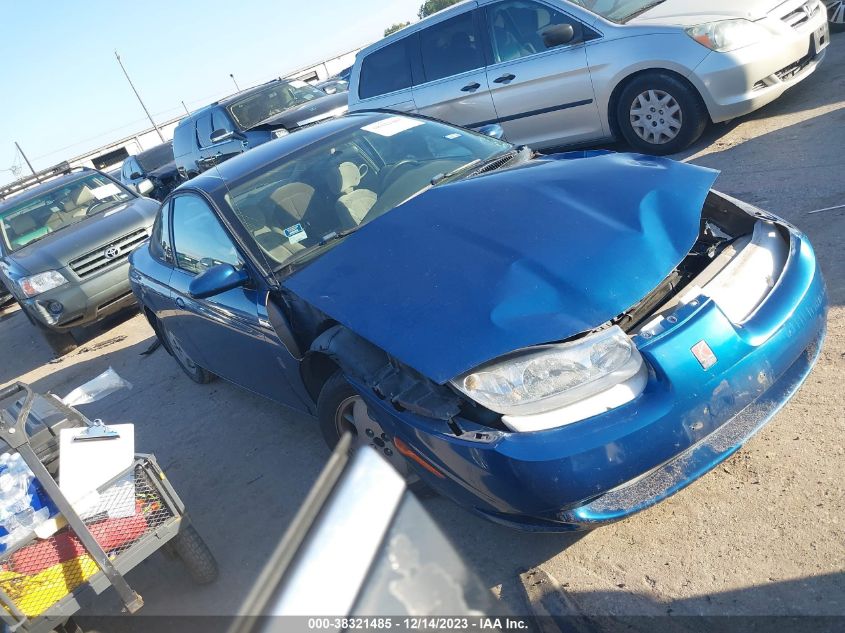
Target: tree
433,6
392,29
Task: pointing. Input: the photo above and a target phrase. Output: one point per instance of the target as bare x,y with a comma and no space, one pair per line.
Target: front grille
802,14
118,252
790,71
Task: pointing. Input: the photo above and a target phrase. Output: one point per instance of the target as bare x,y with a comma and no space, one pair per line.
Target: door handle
471,87
180,302
504,79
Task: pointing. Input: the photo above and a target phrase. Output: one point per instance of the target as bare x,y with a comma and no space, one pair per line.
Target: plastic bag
103,385
24,506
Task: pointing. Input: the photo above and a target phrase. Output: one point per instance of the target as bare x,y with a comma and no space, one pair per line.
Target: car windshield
618,10
270,101
297,206
156,157
72,202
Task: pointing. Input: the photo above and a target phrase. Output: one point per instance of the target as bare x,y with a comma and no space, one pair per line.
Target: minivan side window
451,47
199,240
385,70
204,129
517,28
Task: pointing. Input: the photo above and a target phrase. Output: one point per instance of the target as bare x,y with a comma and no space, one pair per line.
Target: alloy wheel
656,117
353,416
836,11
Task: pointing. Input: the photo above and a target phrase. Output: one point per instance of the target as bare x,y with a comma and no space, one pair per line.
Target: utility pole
149,116
237,87
27,161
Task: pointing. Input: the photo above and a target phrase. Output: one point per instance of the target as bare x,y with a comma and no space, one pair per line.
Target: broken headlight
553,376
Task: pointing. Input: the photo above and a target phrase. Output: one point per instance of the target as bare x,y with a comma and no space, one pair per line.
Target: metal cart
43,582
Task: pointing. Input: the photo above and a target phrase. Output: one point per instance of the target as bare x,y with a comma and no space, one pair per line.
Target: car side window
204,129
127,168
451,47
199,240
160,239
385,70
519,28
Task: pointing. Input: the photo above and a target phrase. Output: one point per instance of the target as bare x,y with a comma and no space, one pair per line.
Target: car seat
355,202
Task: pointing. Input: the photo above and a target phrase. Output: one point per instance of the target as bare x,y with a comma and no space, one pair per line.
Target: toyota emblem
112,252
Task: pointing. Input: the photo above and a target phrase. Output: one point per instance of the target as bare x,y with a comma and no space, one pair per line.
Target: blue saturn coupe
554,341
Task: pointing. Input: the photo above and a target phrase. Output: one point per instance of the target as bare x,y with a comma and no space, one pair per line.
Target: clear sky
63,92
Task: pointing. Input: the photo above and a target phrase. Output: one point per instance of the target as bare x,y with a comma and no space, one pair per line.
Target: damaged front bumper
687,420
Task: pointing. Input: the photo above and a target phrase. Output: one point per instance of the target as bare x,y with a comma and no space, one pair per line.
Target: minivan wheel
658,113
340,409
836,15
195,372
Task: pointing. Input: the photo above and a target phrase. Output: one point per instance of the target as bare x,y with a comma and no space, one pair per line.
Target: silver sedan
565,72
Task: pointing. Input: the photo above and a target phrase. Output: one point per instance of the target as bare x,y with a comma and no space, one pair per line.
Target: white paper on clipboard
85,466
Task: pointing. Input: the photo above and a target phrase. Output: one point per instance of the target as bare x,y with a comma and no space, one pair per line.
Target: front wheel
660,114
198,560
340,409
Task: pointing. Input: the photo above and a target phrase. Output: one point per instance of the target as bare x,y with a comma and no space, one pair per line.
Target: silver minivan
569,72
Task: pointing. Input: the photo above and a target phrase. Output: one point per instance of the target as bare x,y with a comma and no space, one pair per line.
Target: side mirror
145,186
135,175
216,280
558,35
493,130
219,136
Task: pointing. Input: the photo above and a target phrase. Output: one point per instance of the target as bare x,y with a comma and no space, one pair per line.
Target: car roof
44,187
216,181
455,9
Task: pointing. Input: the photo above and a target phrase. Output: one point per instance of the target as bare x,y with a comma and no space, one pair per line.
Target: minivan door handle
471,87
504,79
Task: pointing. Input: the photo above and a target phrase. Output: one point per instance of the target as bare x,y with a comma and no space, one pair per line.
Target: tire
836,15
656,95
336,395
195,555
171,344
61,343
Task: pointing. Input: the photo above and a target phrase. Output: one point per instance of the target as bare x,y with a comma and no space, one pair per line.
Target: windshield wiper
642,10
476,165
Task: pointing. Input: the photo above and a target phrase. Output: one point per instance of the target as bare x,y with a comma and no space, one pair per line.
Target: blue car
554,342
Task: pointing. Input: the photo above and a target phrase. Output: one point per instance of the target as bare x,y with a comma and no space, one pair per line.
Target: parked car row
499,324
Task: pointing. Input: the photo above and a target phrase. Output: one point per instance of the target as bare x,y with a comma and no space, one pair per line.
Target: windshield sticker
392,126
453,136
106,191
296,234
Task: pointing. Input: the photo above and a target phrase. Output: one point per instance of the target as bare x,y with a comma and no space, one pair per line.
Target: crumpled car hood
470,271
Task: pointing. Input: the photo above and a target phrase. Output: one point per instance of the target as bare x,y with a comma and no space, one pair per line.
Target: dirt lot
762,534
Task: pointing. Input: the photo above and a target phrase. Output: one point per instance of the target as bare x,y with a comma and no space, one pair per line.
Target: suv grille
108,255
802,14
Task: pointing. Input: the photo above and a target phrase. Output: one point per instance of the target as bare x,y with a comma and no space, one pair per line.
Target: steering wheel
391,171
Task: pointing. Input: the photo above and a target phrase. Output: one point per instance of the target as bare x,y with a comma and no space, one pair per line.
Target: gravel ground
760,535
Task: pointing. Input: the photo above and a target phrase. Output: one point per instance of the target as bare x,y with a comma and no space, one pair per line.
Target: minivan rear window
385,70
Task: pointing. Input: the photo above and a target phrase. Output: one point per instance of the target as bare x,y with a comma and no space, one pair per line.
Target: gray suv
64,249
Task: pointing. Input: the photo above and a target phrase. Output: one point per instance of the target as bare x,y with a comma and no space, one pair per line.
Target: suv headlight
727,35
42,282
553,376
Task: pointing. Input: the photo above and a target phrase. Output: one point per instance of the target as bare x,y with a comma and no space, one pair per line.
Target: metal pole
149,116
237,87
27,162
